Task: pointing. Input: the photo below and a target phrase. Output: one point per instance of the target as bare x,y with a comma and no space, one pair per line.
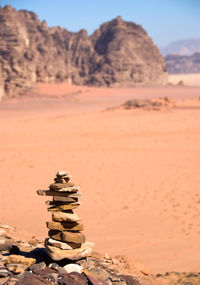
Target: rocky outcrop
178,64
118,53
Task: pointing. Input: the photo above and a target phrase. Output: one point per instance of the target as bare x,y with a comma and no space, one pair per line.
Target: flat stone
61,186
64,207
33,279
58,254
64,199
16,268
59,180
73,268
5,244
64,279
95,279
20,260
61,173
4,272
58,193
6,227
62,245
65,217
66,236
79,278
61,226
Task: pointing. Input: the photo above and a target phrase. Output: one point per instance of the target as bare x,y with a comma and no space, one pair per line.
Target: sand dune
138,170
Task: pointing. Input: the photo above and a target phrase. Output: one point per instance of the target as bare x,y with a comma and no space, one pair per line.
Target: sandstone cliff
118,53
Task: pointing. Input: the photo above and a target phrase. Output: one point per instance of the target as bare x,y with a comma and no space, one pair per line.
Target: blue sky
164,20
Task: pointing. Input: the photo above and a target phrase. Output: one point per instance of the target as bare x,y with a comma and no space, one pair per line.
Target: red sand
138,170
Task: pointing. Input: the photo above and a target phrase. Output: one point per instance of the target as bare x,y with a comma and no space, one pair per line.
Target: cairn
66,239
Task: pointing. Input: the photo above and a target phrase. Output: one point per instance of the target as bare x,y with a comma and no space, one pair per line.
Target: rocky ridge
180,64
118,53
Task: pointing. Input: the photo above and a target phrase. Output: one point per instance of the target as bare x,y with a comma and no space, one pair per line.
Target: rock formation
179,64
65,237
118,53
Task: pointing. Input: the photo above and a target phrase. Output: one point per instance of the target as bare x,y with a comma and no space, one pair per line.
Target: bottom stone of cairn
65,237
57,253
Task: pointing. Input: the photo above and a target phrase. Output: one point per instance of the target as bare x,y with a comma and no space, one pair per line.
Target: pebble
73,268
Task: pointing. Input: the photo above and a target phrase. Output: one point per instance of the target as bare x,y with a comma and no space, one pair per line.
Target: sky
164,20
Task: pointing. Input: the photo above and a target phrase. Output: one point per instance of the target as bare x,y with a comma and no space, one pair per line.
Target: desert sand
138,170
188,79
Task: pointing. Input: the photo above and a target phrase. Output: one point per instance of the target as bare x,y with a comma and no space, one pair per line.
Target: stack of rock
65,237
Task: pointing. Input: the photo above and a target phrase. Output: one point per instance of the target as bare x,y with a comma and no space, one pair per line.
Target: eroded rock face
118,53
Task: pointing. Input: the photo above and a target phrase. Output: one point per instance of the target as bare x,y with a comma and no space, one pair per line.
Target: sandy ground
192,79
138,170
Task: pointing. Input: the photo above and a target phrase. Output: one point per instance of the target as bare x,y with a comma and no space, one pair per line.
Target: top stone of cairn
62,173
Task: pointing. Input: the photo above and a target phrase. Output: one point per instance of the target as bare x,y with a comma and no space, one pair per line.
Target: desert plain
138,170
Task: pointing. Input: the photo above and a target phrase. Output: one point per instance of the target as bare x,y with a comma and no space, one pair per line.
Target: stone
64,279
66,236
58,193
64,207
13,280
79,278
64,199
61,226
54,266
20,260
6,227
73,268
61,173
45,272
33,241
62,245
129,279
4,272
94,279
2,232
63,187
33,279
60,180
53,277
65,217
39,266
16,268
58,254
5,244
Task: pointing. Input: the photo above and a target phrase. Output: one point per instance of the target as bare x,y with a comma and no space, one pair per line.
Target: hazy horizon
164,22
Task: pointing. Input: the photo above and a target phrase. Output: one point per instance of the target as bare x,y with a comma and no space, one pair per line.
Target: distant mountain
119,53
183,47
177,64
